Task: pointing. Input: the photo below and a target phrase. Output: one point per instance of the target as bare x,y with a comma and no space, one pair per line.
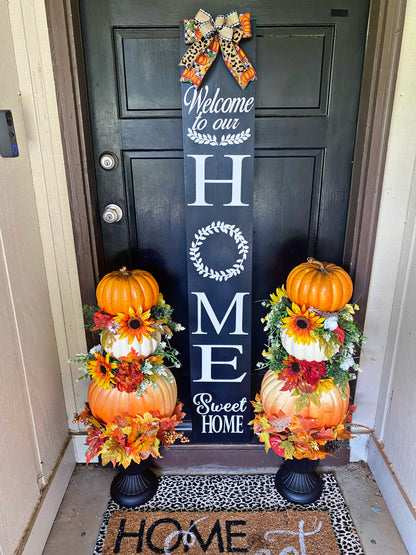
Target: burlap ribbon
207,36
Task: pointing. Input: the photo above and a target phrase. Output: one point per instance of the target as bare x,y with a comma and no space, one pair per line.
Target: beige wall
32,409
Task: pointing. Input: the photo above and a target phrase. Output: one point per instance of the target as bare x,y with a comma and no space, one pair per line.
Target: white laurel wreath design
208,139
200,237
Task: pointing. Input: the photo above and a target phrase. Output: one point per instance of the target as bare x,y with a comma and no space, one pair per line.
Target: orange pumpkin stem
124,271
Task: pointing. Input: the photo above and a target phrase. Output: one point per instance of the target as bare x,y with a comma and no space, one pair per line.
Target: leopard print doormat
219,514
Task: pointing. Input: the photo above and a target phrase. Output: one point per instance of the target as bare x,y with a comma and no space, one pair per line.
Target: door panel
297,62
309,71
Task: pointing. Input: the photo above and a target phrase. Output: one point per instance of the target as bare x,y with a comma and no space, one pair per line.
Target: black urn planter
134,485
297,481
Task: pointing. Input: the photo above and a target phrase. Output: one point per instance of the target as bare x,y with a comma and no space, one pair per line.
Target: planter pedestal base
134,485
298,482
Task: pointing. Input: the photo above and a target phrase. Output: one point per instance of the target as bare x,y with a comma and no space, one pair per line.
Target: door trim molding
381,62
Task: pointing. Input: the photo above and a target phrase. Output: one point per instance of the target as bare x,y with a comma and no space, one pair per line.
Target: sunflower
301,323
275,297
134,325
100,370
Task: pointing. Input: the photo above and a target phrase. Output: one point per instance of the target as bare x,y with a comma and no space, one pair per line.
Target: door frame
382,52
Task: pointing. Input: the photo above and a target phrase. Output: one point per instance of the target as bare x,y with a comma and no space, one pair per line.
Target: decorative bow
207,36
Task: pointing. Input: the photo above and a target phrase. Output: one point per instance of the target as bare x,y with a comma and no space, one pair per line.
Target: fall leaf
94,442
258,407
101,320
288,448
275,444
113,452
279,424
302,426
324,434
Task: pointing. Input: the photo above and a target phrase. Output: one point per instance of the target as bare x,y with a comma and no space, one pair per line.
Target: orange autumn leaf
303,426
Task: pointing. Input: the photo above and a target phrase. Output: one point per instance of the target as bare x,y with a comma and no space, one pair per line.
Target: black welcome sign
218,137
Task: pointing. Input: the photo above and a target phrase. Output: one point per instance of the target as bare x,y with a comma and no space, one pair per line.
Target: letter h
200,180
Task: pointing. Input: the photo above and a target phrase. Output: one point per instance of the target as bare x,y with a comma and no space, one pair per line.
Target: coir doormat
212,533
229,514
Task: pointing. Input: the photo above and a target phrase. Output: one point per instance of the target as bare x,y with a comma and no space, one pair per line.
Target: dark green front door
309,62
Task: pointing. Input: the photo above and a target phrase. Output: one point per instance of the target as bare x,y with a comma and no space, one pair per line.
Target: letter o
213,426
217,124
152,528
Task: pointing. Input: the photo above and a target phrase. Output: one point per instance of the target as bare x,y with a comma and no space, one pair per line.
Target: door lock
112,213
108,161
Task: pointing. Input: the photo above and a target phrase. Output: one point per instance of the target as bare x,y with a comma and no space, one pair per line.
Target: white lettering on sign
204,302
222,424
204,404
207,363
201,107
217,104
220,418
200,181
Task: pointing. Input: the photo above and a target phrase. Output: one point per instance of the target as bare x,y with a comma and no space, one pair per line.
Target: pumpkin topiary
321,285
159,397
121,290
276,401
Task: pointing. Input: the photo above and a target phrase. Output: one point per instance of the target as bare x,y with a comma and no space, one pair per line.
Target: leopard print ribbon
207,36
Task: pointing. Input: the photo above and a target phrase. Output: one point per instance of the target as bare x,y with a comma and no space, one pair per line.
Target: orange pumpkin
332,410
202,59
320,285
245,24
123,289
106,404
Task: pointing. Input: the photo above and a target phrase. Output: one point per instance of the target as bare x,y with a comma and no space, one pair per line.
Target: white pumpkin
116,347
311,352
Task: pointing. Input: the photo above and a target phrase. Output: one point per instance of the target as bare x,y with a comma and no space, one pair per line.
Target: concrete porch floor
79,518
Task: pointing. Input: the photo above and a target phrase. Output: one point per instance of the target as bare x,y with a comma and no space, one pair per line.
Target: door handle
112,213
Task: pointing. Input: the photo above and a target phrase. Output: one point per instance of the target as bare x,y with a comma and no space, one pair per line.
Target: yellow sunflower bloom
100,370
301,323
134,325
325,385
280,292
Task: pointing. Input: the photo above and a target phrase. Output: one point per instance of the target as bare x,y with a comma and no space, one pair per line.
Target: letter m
237,301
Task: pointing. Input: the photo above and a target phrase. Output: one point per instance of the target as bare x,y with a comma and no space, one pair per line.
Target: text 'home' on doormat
213,533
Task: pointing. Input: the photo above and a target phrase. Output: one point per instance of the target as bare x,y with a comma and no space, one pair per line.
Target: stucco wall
32,409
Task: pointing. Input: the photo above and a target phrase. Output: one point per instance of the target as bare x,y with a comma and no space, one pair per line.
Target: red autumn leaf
275,445
326,434
101,320
339,332
94,442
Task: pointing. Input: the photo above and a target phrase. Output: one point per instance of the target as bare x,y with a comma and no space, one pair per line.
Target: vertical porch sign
218,139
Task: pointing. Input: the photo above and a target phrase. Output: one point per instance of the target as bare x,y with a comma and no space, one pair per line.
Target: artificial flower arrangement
132,404
303,408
